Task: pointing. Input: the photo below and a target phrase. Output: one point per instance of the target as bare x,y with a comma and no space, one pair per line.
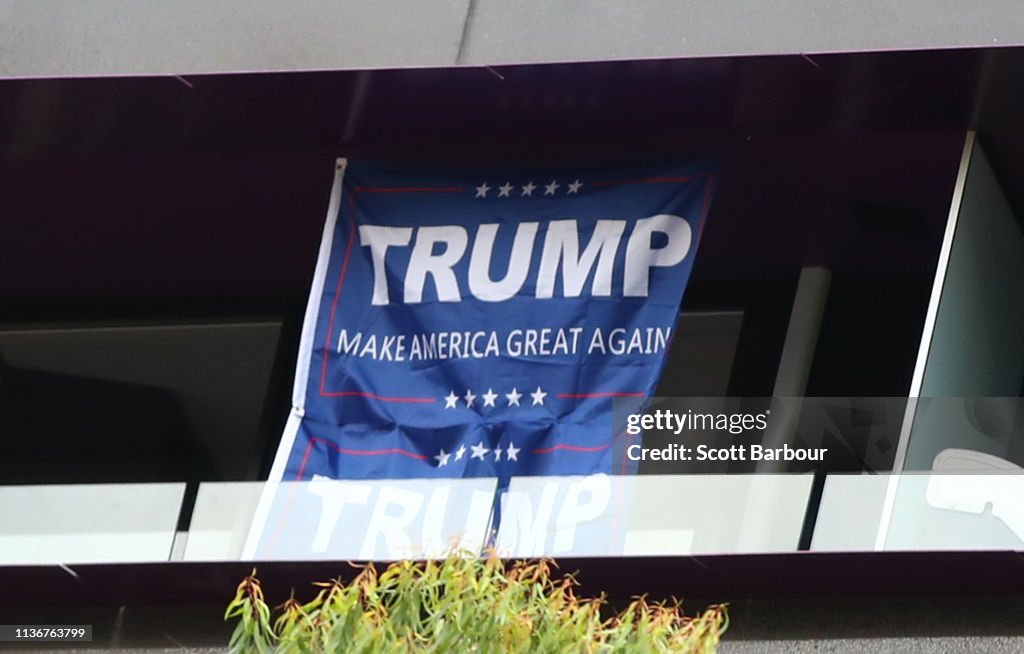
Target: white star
538,396
460,452
497,454
469,398
513,397
575,187
551,188
489,397
512,452
450,399
442,459
528,189
504,190
481,191
479,451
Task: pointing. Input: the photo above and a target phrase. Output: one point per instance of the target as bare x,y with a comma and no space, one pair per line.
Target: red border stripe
393,450
351,452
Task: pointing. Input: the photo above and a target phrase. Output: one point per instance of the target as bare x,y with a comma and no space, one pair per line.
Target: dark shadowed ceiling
211,189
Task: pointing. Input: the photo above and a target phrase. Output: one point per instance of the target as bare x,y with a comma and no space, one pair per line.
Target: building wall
56,38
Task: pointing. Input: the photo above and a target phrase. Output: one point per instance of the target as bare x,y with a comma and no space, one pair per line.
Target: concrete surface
59,38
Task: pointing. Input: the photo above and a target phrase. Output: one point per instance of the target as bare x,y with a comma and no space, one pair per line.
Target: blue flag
479,324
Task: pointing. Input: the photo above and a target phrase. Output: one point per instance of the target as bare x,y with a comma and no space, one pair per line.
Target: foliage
464,603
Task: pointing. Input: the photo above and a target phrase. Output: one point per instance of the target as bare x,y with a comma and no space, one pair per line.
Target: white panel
355,520
88,523
220,520
116,547
957,512
929,512
652,515
849,512
658,542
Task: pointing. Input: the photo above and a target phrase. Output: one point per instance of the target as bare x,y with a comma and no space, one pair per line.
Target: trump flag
479,324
